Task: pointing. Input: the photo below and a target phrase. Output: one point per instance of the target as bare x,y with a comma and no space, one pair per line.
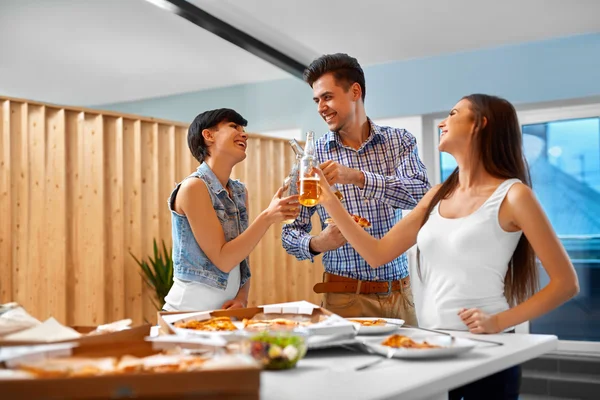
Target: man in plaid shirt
379,173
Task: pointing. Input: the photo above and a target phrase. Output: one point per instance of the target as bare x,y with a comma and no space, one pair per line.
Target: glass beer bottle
309,180
290,183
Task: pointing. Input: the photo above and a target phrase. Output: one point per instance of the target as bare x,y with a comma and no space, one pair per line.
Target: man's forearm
314,246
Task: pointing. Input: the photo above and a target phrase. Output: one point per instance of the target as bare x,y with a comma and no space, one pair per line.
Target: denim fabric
189,261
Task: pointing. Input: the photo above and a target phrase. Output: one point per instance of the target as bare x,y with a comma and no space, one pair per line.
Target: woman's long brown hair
499,146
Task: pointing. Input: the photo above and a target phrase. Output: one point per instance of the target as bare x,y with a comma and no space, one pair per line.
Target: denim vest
189,261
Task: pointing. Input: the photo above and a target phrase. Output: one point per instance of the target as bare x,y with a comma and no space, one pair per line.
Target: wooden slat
278,264
21,203
132,197
89,290
182,154
287,260
114,290
150,205
253,172
166,180
269,278
55,212
6,270
37,276
73,209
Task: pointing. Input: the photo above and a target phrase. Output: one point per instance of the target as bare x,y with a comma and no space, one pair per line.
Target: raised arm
403,189
194,200
407,186
376,251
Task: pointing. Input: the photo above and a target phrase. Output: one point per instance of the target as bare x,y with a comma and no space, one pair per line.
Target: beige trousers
398,304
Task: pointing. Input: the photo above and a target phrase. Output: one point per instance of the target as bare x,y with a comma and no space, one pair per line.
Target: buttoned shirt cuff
374,186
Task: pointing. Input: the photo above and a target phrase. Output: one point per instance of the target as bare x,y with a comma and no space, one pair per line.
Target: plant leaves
157,273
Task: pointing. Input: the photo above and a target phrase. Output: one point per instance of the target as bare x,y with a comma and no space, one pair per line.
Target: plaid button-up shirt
395,179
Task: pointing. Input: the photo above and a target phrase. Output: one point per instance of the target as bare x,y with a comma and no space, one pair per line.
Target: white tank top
463,264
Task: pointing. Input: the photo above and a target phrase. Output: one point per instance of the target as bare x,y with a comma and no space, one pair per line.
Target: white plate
391,325
448,349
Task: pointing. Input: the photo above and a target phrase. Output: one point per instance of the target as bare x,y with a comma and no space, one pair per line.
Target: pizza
69,367
159,363
373,322
363,222
254,324
404,342
215,324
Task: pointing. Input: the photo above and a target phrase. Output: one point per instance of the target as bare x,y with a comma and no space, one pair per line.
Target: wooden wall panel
89,307
6,265
22,292
81,190
55,213
150,203
114,276
72,207
132,206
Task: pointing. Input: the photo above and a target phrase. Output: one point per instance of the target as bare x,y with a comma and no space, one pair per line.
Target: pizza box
51,331
212,382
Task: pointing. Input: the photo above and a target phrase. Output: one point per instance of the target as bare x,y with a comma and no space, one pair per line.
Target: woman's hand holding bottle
283,209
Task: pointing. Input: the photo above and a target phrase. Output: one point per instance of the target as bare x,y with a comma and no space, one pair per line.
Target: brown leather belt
340,284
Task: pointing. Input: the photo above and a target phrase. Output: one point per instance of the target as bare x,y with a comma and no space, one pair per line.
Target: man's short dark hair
344,68
208,120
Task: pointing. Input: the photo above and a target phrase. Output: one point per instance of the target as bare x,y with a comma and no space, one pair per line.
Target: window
564,159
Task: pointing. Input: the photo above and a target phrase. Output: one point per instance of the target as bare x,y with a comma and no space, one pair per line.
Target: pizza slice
214,324
361,221
370,322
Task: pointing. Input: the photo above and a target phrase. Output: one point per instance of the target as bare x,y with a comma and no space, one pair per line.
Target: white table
330,374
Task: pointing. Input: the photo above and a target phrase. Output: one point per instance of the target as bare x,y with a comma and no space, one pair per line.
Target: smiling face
335,103
227,139
458,129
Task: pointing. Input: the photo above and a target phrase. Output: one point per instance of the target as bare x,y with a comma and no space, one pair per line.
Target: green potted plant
158,273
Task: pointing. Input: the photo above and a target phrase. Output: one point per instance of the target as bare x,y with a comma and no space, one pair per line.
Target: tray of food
315,319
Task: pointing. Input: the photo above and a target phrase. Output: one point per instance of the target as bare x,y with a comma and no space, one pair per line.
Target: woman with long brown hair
477,234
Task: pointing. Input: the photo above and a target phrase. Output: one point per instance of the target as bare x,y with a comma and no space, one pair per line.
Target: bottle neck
309,150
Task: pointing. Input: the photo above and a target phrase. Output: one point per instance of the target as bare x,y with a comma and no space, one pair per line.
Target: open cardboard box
137,333
333,325
205,384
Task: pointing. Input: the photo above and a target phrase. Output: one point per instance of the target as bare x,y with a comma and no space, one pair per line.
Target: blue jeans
503,385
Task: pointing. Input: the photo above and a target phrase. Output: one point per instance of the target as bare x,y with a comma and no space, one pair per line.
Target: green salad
278,350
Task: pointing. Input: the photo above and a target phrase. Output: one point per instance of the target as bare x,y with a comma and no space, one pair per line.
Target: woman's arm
528,215
376,251
195,202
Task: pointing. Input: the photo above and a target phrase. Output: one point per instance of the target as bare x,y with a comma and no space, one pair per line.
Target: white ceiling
104,51
85,52
378,31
